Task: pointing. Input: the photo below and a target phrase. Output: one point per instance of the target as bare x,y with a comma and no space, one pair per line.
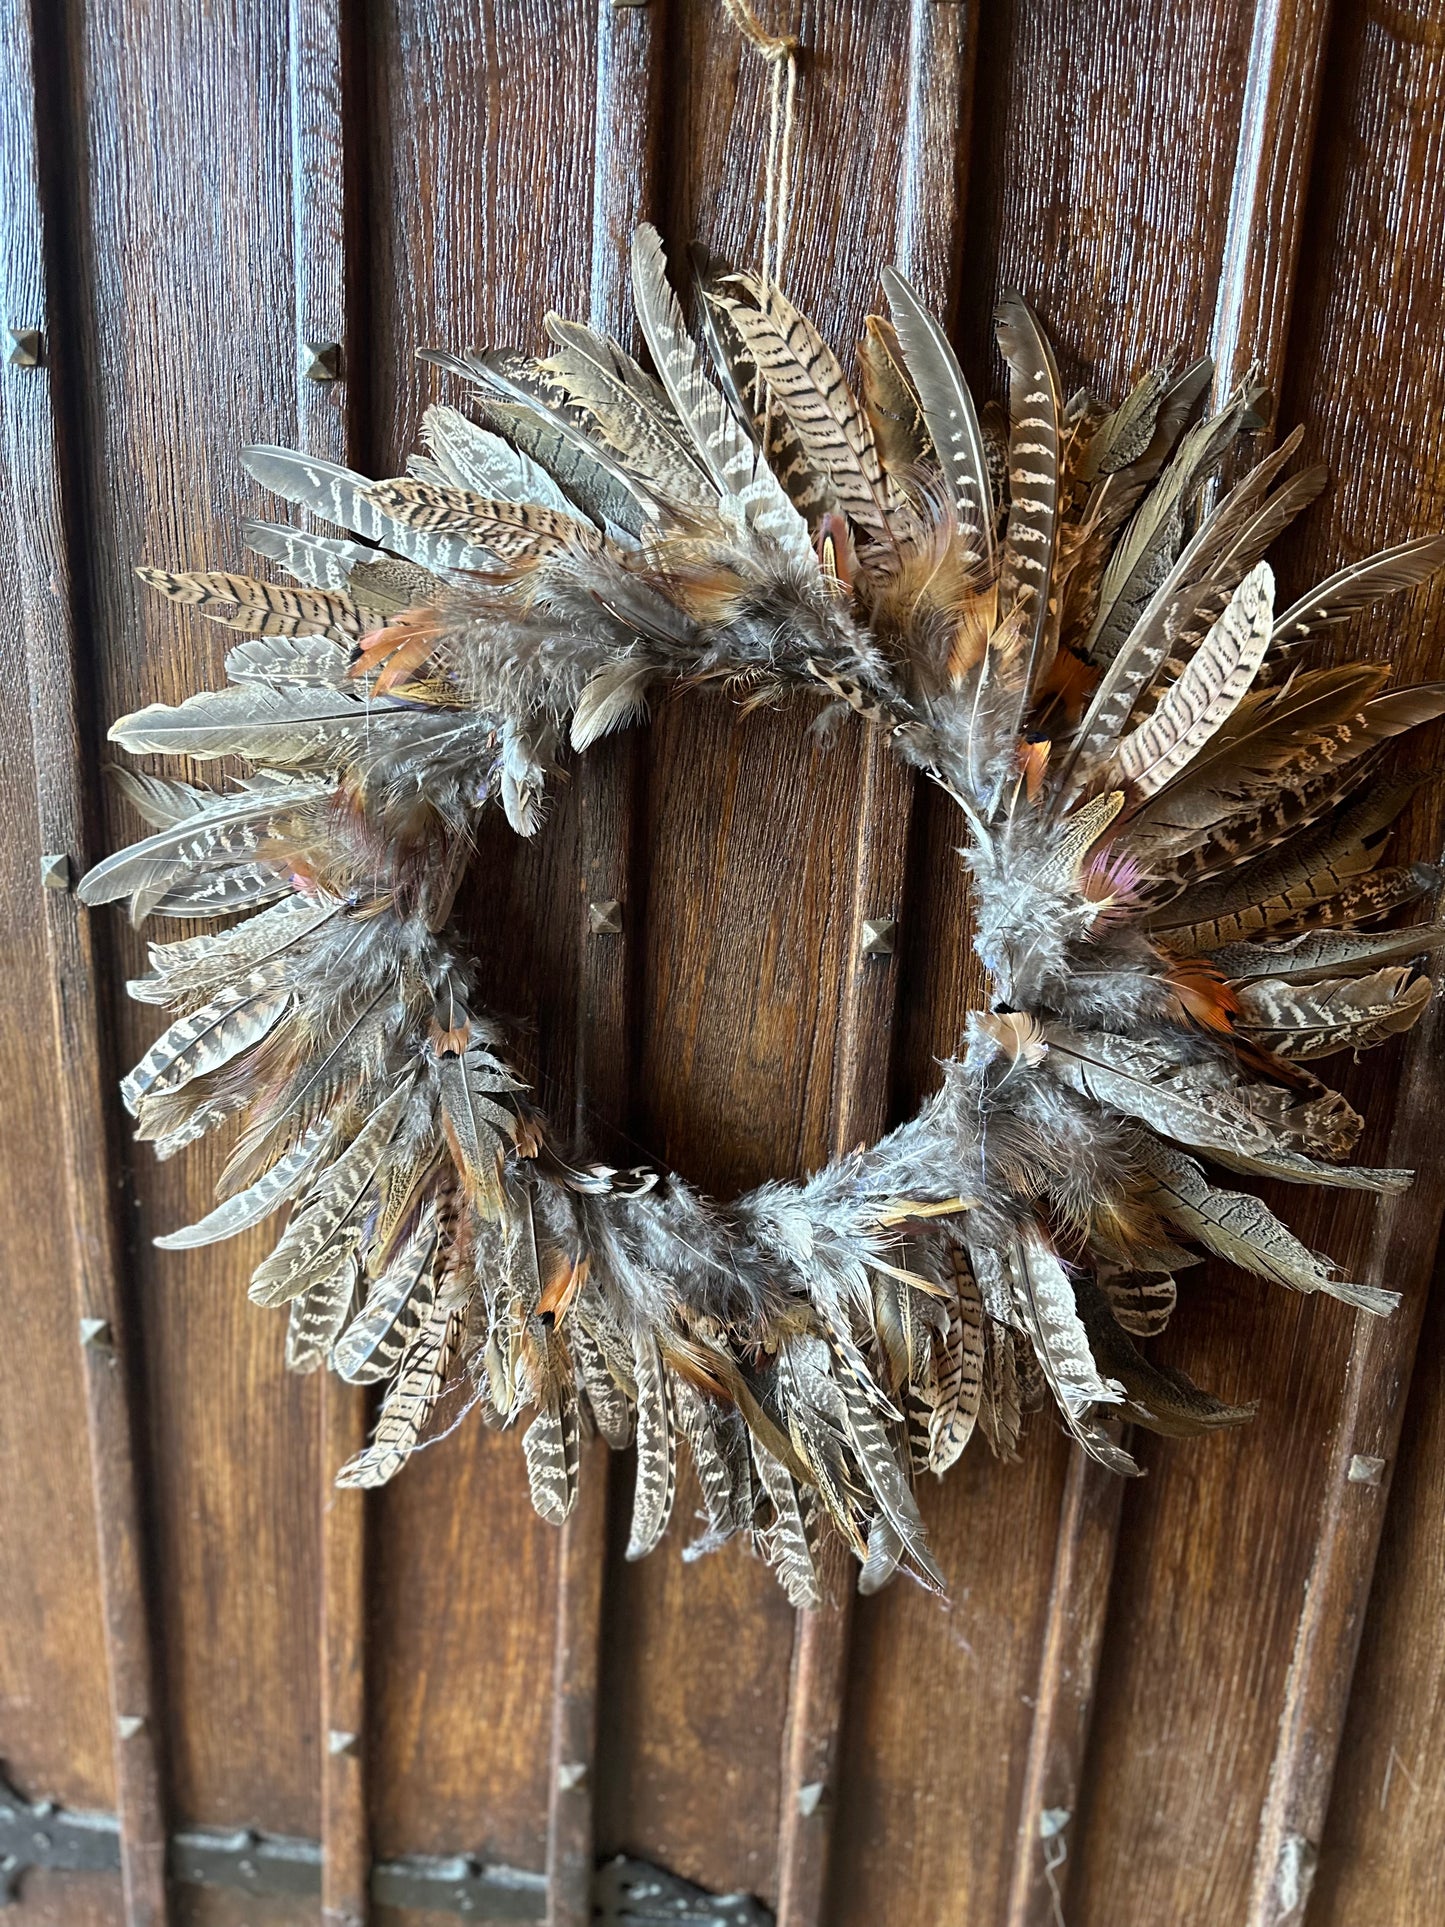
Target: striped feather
285,728
726,450
474,458
372,1346
807,380
1243,1230
552,1444
324,1212
608,1398
656,1480
340,495
319,1311
783,1540
261,608
235,1019
1044,1305
959,1368
408,1404
948,413
1031,534
478,1129
510,531
258,1201
1303,1021
1202,700
1359,584
319,561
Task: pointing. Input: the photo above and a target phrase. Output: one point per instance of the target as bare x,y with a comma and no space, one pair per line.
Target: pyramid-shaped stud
879,936
340,1744
26,347
129,1724
1365,1470
95,1332
321,360
604,919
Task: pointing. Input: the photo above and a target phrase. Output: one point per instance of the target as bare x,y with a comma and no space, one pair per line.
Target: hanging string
780,51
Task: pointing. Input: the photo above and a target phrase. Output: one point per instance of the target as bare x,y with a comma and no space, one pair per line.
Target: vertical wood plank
1264,1557
749,851
926,241
56,1728
630,47
1385,173
572,1763
37,267
1063,1701
1380,1856
319,219
478,127
1284,78
1087,158
1245,1566
345,1831
1280,103
185,331
1365,1437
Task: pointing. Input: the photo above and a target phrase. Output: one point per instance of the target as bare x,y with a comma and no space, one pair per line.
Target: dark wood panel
75,1115
55,1730
68,1900
478,219
940,1706
1089,163
186,337
750,845
1242,1563
216,1907
1381,1857
627,93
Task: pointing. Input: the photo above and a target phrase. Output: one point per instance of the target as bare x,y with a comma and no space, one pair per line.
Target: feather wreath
1176,825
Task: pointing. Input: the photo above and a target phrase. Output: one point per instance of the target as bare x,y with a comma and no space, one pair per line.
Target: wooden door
1211,1697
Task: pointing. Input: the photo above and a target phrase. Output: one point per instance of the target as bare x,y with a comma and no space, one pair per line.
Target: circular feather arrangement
1174,825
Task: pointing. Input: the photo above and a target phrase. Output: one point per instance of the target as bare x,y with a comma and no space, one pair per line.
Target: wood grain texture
1382,1836
478,180
345,1736
572,1750
1284,73
1265,175
928,232
69,1900
321,184
1258,256
1386,64
172,389
1085,160
627,93
1063,1705
1260,1558
55,1727
939,1712
751,984
36,281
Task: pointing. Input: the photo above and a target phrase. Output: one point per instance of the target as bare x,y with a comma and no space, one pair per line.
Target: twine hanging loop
781,52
